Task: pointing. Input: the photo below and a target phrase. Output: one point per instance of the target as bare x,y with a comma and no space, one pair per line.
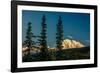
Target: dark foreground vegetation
67,54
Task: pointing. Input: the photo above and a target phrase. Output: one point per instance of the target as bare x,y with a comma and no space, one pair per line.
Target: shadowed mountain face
68,43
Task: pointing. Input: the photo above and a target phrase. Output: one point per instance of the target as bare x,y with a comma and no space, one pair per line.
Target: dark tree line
42,38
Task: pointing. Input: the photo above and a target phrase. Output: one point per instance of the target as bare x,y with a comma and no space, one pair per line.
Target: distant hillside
76,53
83,49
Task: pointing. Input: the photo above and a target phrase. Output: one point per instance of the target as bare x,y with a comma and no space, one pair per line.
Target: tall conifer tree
43,42
29,35
59,37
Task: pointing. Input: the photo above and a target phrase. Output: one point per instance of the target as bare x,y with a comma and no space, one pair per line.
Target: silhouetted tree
59,37
29,35
42,40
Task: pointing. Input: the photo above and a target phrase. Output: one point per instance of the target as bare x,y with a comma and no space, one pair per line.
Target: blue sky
75,25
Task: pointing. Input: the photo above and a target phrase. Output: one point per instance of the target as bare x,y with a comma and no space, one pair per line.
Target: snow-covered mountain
69,43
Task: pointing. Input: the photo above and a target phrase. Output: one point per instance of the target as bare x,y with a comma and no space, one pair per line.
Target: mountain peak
69,43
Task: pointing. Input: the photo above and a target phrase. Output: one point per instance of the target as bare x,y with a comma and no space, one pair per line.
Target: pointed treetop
29,23
60,20
43,17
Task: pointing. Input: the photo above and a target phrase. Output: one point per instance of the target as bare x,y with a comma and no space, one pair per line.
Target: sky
75,25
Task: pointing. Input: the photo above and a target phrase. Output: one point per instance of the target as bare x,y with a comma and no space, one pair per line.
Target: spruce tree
59,37
42,40
29,36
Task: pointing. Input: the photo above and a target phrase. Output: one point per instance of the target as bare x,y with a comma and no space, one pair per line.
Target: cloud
69,36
